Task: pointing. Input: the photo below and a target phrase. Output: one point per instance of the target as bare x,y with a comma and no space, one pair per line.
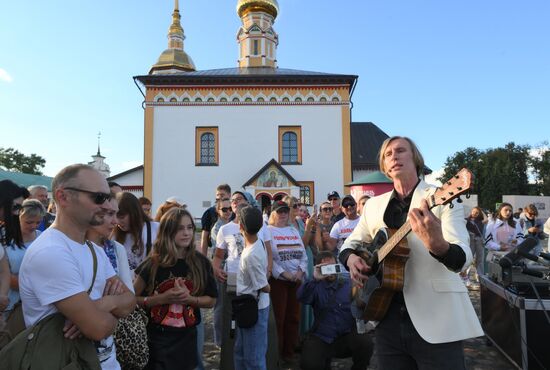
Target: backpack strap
149,244
95,264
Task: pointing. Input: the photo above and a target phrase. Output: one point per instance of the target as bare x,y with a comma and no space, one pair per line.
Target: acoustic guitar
387,257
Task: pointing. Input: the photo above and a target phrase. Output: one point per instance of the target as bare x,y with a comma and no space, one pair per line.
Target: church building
268,130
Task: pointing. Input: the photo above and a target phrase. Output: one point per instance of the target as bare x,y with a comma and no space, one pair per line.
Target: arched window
210,99
298,99
310,99
335,99
273,98
307,192
208,148
290,147
223,100
186,100
173,100
260,99
160,100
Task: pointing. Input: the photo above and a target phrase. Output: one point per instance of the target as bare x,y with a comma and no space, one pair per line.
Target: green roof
375,177
25,179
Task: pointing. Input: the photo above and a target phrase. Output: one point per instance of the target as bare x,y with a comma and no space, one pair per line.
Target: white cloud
432,178
5,76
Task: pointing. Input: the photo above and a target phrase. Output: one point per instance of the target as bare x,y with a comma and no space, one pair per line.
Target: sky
449,74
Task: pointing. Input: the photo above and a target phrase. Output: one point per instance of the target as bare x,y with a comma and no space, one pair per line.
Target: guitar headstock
459,184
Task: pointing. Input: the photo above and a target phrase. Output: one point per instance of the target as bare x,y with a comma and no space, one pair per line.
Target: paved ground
479,356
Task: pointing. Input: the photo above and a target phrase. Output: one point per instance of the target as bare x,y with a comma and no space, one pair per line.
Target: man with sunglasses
334,198
59,269
210,216
343,228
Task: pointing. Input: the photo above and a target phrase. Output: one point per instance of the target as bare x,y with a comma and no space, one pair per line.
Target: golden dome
269,6
174,59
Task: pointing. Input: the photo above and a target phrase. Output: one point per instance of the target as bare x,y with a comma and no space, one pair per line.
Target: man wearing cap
343,228
334,199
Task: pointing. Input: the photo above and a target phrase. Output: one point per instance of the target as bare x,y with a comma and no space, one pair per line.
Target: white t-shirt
134,260
56,267
342,229
287,250
252,273
230,238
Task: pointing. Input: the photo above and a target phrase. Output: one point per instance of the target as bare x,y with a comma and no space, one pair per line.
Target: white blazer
491,241
436,298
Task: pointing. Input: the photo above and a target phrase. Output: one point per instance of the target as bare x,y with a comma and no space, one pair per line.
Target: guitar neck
401,233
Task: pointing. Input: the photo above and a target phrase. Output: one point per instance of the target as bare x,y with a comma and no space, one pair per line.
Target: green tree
541,169
497,172
13,160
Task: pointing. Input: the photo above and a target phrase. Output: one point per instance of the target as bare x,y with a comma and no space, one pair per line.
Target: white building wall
248,139
134,178
520,201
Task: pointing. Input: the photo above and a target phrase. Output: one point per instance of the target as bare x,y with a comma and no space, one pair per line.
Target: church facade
268,130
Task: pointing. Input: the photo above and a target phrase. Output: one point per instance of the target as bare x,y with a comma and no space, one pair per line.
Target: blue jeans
251,344
200,343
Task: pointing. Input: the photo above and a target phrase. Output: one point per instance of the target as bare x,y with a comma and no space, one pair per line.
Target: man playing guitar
425,323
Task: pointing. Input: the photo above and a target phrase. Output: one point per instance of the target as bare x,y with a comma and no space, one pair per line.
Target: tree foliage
13,160
500,171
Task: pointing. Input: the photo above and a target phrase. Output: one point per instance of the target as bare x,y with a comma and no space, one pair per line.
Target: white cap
176,200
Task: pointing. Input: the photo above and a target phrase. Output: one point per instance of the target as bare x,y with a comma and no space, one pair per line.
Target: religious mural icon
273,178
174,315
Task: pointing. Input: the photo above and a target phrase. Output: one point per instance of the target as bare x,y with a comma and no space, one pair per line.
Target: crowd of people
278,279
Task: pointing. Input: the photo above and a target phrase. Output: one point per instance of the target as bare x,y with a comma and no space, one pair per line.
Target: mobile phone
315,208
330,269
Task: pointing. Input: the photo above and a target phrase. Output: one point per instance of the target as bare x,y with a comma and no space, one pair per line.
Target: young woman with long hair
134,229
503,233
172,283
31,215
475,224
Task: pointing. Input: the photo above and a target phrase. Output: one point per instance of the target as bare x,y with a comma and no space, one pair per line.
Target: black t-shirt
209,218
176,316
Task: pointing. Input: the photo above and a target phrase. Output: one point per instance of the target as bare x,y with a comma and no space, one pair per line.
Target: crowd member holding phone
324,225
334,332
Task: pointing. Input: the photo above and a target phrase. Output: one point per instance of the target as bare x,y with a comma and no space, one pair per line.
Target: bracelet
145,301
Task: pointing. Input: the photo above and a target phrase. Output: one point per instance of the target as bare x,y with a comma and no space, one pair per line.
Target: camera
330,269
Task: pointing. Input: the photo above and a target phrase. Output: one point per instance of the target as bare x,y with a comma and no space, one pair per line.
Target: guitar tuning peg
459,200
451,205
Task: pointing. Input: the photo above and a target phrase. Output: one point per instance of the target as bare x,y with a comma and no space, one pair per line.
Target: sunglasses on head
225,209
96,196
349,205
326,209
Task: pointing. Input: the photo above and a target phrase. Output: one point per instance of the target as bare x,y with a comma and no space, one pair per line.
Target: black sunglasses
96,196
282,210
225,209
326,209
333,198
349,205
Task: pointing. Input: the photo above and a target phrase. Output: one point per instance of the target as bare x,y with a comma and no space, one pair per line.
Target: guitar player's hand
427,228
358,269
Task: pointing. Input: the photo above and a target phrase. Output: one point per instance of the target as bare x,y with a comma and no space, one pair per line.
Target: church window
235,99
298,99
248,99
285,99
223,99
173,100
290,145
186,99
273,98
256,52
323,99
310,99
206,146
307,192
335,99
160,100
198,99
261,99
210,99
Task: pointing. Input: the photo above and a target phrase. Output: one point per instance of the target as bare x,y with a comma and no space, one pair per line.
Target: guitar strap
94,256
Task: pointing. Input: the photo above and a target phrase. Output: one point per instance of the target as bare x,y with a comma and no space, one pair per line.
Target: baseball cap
347,200
333,194
279,204
250,219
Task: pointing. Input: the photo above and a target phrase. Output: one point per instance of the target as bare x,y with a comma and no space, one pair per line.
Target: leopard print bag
132,351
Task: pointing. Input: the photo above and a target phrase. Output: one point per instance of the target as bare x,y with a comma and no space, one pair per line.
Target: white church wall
248,139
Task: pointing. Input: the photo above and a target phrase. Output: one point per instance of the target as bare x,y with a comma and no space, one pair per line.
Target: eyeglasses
96,196
225,209
331,199
282,210
349,205
326,209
